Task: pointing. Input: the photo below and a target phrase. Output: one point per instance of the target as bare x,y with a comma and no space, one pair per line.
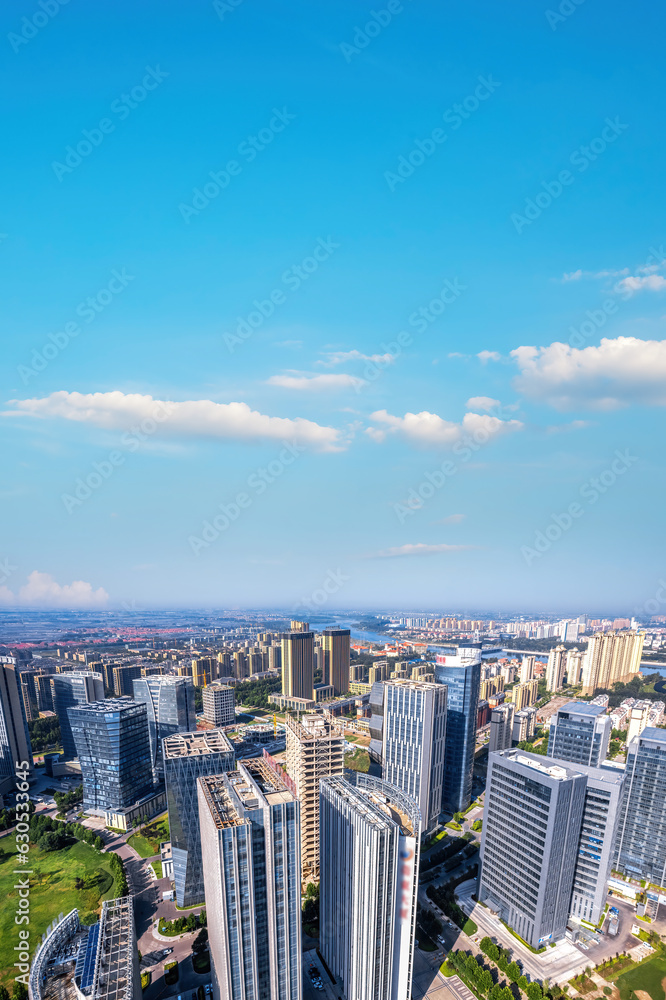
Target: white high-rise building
219,704
414,741
251,852
501,727
370,833
556,668
611,657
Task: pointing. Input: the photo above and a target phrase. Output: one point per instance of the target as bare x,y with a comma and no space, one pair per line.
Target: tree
513,971
534,991
522,983
486,981
51,841
4,993
20,992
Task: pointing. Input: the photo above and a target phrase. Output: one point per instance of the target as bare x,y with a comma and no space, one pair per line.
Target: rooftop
197,744
583,708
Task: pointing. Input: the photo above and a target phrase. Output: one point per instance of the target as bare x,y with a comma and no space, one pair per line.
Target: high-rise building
531,824
524,695
501,727
414,743
460,670
580,733
335,646
169,703
224,668
638,720
596,842
524,725
188,756
370,833
219,704
556,668
527,665
15,748
203,670
113,747
376,704
77,687
298,626
574,669
250,845
298,664
123,676
641,838
315,749
43,692
611,658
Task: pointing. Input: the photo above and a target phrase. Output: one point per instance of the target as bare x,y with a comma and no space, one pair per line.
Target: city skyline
389,369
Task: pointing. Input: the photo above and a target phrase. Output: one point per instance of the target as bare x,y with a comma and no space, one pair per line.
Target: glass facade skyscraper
111,739
251,851
641,838
580,733
169,702
76,687
15,745
188,756
460,669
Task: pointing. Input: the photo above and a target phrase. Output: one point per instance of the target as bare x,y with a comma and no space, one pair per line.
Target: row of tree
255,693
44,733
181,925
512,970
51,835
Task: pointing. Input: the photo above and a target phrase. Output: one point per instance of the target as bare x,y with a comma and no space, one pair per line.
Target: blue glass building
169,702
459,667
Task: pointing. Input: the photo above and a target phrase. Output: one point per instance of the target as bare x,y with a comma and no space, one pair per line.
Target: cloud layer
418,549
315,383
429,429
614,374
200,418
41,590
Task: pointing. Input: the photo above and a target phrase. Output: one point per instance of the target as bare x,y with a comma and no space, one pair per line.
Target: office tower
556,668
524,695
113,747
524,725
169,703
501,727
15,748
219,704
414,743
531,825
639,715
68,690
202,671
580,733
610,658
461,672
123,677
298,664
599,825
43,692
250,846
527,668
188,756
335,646
370,834
314,750
376,704
297,626
641,839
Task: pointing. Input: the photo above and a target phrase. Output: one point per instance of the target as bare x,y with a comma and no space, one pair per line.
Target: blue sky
471,198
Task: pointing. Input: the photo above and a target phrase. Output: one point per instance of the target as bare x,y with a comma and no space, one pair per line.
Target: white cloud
573,425
451,519
573,275
429,429
43,591
6,596
313,383
489,356
482,403
580,274
192,418
650,283
338,357
614,374
418,549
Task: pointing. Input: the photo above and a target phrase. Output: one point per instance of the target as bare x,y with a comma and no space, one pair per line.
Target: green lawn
52,892
647,976
358,761
147,843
